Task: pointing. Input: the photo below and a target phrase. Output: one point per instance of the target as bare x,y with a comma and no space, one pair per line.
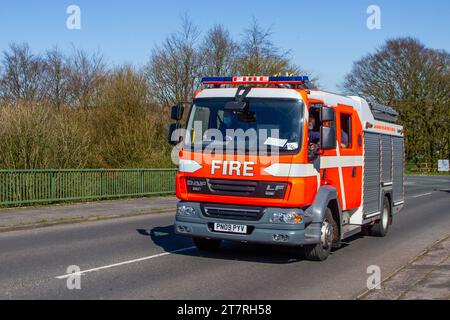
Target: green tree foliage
414,79
127,126
41,137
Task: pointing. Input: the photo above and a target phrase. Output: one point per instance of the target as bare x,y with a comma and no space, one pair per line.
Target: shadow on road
166,238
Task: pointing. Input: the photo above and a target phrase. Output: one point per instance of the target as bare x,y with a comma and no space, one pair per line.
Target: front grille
237,188
232,212
232,187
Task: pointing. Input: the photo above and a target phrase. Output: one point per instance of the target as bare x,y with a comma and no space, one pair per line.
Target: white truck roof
359,104
254,93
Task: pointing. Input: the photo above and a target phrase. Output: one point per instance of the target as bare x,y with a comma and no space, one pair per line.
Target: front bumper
261,231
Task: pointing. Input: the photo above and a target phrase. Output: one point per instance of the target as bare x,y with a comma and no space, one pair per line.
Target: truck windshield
266,124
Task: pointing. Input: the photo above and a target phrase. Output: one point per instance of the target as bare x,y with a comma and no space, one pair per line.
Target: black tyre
381,228
321,251
207,244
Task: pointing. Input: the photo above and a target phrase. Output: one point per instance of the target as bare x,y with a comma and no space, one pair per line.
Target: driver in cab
314,135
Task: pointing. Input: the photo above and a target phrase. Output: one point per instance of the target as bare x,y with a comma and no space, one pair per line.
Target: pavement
139,257
427,276
41,216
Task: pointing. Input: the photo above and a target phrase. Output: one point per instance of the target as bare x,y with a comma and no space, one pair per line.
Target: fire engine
323,166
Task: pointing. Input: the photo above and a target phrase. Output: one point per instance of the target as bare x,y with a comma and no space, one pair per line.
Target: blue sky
324,37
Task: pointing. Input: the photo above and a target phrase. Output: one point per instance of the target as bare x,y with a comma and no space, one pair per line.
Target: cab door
349,138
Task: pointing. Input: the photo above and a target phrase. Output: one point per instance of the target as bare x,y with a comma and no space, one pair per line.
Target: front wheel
328,230
205,244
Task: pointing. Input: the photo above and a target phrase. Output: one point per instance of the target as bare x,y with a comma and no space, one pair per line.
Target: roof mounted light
275,80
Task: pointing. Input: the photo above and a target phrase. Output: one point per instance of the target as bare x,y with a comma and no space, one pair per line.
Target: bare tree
86,74
21,81
218,53
416,80
56,78
173,70
259,55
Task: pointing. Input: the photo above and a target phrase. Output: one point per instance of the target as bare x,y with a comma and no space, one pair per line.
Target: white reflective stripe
308,170
295,170
302,170
340,161
278,169
341,176
318,180
189,166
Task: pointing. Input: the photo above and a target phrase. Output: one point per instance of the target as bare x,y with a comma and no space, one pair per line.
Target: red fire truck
312,168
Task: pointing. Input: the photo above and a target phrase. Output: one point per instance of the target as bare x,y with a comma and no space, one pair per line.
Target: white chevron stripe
189,166
295,170
298,170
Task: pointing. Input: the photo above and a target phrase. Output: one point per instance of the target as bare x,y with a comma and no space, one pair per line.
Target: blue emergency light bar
254,80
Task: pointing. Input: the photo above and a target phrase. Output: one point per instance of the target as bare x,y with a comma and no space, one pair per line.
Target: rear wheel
205,244
381,228
321,251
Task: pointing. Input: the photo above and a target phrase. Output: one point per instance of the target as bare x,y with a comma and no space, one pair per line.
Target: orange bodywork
301,191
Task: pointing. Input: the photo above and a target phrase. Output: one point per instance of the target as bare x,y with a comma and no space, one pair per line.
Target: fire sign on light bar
254,80
251,79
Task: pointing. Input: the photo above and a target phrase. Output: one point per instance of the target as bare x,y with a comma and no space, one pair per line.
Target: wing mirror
327,137
327,114
176,113
173,138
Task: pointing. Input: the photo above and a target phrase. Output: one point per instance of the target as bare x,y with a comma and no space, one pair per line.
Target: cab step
350,230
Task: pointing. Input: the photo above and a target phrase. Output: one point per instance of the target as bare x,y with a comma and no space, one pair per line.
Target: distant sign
443,165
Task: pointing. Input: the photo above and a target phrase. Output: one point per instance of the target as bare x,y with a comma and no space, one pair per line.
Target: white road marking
421,195
123,263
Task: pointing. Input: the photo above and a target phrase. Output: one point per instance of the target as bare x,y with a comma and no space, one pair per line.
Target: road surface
141,258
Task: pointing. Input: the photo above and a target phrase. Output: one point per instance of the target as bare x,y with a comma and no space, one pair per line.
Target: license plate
230,228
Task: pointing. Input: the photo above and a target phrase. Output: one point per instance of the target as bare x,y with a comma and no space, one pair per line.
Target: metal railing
24,187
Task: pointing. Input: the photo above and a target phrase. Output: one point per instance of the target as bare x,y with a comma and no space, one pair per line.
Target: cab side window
346,130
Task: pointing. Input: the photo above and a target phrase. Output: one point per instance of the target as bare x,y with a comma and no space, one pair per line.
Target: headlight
288,218
186,211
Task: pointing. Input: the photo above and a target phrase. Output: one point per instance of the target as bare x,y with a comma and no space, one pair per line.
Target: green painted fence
22,187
